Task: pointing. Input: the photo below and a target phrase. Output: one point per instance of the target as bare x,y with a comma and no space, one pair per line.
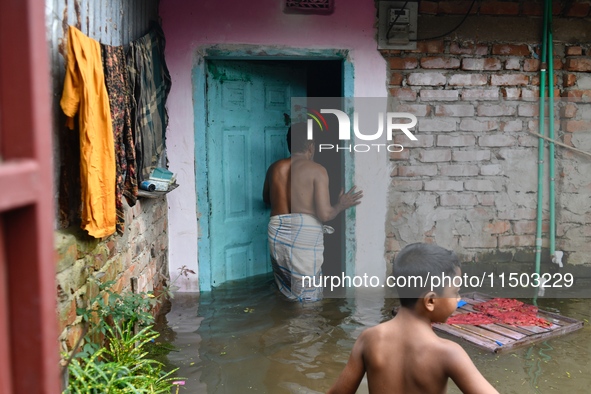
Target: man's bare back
277,188
297,187
300,185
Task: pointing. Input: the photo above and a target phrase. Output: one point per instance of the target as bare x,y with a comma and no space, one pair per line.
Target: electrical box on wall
397,24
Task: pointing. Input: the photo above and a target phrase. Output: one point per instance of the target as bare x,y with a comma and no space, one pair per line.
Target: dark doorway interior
325,79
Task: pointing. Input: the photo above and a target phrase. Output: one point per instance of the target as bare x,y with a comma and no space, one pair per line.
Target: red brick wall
141,252
470,181
577,8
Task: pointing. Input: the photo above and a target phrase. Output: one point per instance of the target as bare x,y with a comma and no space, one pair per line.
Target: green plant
108,307
169,290
115,357
123,367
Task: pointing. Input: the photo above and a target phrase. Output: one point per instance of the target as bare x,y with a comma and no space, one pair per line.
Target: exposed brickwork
403,155
484,94
498,227
142,252
496,140
396,78
471,155
491,169
574,51
411,171
440,62
426,79
478,64
458,199
509,79
478,125
454,110
533,8
467,79
440,124
569,80
436,185
530,94
516,240
458,170
407,185
577,94
456,7
426,141
513,64
578,64
568,111
528,110
499,8
469,182
435,155
510,50
437,46
511,93
495,110
443,95
511,125
573,9
573,126
406,63
578,10
415,109
404,94
464,140
531,65
456,48
428,7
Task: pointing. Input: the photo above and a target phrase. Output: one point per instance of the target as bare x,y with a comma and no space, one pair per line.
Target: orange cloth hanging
85,93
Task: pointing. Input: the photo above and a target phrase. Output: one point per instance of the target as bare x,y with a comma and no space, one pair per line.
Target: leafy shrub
114,358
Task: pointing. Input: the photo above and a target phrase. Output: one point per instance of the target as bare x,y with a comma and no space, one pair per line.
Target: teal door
246,129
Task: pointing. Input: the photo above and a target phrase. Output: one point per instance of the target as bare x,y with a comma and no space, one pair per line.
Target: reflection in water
244,337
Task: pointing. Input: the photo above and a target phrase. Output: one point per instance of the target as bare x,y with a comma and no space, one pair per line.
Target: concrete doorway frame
199,74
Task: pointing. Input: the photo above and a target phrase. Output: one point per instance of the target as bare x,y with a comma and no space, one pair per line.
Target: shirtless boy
404,355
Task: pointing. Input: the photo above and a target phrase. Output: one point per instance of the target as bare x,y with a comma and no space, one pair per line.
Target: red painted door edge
27,263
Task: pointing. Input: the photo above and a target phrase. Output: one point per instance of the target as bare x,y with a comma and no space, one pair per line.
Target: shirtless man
404,355
297,190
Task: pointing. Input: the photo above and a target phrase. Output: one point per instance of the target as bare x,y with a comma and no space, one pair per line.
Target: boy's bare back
405,356
395,361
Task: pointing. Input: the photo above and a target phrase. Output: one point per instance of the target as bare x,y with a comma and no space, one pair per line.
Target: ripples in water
244,337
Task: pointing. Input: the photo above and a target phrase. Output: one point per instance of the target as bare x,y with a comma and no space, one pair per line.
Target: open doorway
325,79
245,133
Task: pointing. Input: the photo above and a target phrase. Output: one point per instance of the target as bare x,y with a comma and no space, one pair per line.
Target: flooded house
494,172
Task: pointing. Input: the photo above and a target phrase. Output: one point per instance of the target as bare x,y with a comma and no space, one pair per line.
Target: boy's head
297,138
418,265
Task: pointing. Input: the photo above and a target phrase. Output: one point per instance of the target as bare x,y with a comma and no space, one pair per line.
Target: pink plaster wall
191,25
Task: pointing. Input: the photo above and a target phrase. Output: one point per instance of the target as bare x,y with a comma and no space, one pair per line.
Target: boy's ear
429,301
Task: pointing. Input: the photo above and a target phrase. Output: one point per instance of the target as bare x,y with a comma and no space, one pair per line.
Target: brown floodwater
244,337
